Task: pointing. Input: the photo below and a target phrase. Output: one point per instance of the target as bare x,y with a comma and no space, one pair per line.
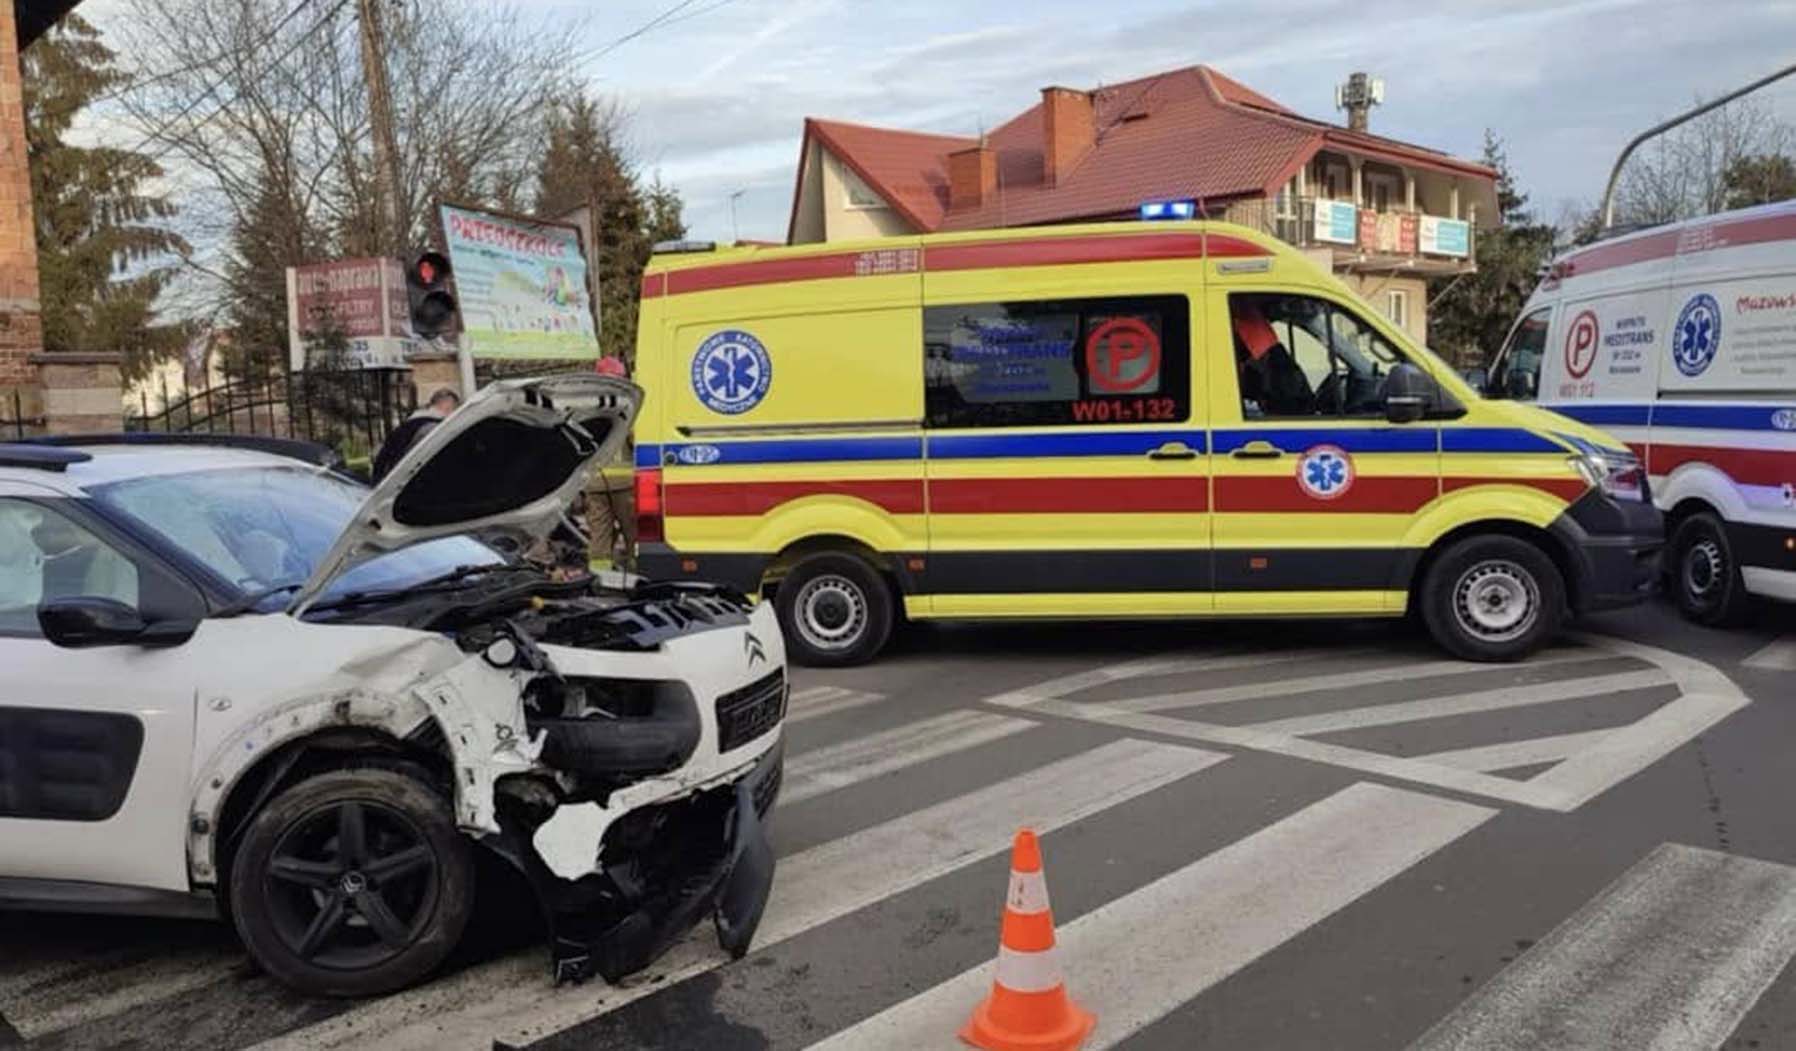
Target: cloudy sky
720,90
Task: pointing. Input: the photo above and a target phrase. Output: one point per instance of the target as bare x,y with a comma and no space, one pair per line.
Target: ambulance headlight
1619,475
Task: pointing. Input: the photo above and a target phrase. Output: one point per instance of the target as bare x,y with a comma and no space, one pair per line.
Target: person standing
443,402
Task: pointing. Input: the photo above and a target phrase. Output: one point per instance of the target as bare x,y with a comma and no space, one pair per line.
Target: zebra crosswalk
1185,848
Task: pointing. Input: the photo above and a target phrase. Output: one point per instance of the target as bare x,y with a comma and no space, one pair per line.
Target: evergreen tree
1473,313
586,165
270,237
102,247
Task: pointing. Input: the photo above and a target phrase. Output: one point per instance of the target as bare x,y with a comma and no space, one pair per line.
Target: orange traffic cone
1028,1009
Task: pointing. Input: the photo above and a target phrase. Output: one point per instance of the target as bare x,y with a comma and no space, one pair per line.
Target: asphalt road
1269,835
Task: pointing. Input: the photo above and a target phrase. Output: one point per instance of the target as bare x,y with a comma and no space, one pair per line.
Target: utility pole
389,191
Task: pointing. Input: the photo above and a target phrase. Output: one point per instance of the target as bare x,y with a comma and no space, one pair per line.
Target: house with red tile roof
1383,214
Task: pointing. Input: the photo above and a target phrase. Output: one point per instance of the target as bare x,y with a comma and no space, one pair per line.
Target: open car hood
510,460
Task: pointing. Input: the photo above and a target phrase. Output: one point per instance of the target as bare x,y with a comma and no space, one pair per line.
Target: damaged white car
238,683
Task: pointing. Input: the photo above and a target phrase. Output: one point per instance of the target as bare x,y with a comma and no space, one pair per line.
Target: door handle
1257,450
1173,451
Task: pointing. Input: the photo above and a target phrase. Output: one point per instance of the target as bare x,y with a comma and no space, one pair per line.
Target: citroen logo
752,646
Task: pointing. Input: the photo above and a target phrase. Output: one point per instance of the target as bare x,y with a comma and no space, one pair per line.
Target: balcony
1360,239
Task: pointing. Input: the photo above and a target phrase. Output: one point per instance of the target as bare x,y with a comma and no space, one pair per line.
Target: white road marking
1778,656
512,998
71,996
1254,691
875,755
1464,703
1155,667
819,701
1511,754
1707,697
1670,956
1138,957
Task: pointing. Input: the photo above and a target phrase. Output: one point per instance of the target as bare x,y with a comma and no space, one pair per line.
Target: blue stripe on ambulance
1109,443
1707,417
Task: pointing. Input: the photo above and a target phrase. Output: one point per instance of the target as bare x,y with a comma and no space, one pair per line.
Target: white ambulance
1681,340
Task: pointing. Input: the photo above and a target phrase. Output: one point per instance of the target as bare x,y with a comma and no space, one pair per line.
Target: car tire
352,882
1492,598
835,610
1705,575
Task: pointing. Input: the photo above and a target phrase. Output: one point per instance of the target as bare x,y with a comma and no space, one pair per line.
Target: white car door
95,741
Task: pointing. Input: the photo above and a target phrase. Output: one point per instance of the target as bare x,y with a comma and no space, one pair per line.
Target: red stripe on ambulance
898,496
976,496
1747,466
1281,494
973,255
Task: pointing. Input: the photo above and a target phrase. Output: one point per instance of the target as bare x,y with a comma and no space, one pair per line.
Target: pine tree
1473,314
103,248
586,165
272,236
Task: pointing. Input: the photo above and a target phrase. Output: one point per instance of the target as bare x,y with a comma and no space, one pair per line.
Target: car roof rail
40,457
291,448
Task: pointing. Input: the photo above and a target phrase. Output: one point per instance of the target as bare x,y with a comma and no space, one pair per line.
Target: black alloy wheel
352,883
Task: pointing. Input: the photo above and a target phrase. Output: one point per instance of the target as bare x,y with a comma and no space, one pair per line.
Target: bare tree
260,110
1684,173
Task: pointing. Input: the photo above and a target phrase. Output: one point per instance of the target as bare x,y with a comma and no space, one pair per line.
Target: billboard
361,299
1446,236
522,285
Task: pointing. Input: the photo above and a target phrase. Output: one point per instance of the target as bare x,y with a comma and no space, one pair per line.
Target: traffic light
427,289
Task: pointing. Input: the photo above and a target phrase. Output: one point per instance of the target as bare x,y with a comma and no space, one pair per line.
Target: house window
1378,194
1058,362
858,194
1396,307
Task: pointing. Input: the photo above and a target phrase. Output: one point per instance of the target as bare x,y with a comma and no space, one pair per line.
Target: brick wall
21,330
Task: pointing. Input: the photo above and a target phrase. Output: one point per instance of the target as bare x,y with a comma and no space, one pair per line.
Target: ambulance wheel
1705,576
835,610
1492,598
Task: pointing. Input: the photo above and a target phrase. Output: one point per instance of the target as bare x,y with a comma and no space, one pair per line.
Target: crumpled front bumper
711,857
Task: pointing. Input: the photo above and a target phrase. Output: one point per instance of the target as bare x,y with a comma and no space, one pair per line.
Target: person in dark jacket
406,435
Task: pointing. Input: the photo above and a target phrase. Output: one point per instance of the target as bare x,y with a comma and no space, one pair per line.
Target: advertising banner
361,300
1446,236
1337,222
522,286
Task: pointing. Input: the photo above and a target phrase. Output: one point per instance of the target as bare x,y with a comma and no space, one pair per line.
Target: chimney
1357,96
1069,130
972,177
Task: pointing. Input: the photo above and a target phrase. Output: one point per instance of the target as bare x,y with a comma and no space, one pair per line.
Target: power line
133,84
665,18
211,91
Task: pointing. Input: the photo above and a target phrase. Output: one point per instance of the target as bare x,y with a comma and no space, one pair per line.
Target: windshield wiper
249,602
430,584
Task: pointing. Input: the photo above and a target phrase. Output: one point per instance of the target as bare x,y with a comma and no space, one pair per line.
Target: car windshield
263,527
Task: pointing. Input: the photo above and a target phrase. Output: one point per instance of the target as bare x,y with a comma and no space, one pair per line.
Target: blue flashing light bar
1153,210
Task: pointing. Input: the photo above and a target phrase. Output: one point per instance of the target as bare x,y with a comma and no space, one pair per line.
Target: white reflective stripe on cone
1028,893
1027,972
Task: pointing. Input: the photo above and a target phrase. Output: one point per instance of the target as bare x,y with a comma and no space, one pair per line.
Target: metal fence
350,410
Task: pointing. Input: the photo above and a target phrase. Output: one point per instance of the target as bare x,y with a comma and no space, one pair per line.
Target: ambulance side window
1058,362
1300,356
1517,374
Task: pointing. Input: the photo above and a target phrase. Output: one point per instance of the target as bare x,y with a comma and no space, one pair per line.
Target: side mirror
1405,408
1477,378
1409,393
89,620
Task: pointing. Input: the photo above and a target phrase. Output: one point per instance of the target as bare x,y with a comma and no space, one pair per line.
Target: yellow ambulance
1177,419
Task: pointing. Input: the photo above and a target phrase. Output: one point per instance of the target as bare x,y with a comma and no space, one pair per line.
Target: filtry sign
360,301
522,286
